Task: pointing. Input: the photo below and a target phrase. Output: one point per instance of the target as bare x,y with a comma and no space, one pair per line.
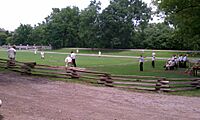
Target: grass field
120,66
124,66
146,53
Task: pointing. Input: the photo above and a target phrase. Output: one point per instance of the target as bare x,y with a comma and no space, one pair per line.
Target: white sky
14,12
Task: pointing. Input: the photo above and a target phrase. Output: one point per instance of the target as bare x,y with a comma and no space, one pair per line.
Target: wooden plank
92,72
164,82
182,79
49,72
178,89
134,84
133,80
138,88
89,74
48,68
182,83
135,76
88,77
185,88
45,75
3,59
166,90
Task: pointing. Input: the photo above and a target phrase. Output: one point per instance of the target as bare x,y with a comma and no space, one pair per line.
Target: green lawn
127,52
123,66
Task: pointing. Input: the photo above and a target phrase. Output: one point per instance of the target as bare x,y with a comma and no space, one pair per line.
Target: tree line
123,24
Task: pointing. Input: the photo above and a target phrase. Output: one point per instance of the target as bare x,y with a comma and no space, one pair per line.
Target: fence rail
150,83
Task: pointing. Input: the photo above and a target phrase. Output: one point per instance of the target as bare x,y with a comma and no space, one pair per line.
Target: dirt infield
32,98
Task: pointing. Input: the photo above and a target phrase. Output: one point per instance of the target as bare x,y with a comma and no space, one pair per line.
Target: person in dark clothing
153,61
141,61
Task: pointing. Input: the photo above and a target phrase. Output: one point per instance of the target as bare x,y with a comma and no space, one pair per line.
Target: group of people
176,62
141,61
70,60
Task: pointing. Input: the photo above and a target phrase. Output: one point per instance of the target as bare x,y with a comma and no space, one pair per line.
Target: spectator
42,54
184,61
153,61
68,61
153,54
35,51
170,64
141,61
12,53
180,59
73,56
99,53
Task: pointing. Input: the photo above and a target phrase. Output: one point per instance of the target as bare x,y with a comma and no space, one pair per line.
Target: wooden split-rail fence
150,83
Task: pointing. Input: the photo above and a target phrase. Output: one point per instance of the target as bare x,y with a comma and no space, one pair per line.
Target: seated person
170,64
68,61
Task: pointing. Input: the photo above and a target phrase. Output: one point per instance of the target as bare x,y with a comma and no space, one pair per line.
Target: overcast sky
14,12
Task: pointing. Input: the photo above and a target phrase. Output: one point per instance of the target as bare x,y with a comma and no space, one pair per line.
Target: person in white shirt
141,61
184,61
99,53
42,54
12,53
68,61
35,51
153,61
180,59
73,56
153,54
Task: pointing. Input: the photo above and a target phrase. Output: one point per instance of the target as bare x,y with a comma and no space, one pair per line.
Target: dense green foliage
3,36
184,15
123,24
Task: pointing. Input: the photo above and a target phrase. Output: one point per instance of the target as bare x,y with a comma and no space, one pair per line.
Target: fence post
158,85
198,86
10,63
74,74
162,83
26,67
106,80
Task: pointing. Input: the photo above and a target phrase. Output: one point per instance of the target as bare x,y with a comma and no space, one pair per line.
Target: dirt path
31,98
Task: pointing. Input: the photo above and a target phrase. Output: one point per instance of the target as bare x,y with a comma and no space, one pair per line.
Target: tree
3,37
89,25
119,20
23,35
159,36
184,15
62,27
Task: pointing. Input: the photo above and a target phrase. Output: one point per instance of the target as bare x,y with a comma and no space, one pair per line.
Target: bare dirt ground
34,98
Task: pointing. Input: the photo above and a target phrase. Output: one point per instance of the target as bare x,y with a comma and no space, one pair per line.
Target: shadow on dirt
1,117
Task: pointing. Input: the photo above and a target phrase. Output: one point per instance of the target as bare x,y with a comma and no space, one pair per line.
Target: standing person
73,56
42,54
153,54
12,53
184,61
99,53
68,61
180,59
141,61
35,51
153,61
